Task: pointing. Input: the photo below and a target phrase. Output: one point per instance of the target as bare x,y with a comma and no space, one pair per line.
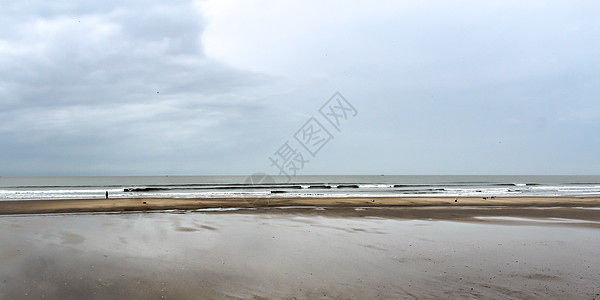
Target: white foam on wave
364,190
375,186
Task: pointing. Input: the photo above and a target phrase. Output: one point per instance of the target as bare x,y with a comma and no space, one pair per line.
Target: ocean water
37,188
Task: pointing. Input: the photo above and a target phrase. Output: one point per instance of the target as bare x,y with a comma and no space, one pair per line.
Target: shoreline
151,204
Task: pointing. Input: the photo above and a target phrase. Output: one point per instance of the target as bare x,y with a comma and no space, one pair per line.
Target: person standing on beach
106,194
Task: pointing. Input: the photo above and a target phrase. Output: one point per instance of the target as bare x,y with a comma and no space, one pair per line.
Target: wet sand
523,248
304,253
145,204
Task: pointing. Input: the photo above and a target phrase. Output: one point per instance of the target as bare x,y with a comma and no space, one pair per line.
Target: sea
262,185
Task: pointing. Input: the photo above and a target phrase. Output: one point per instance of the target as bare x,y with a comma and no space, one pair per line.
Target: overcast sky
218,87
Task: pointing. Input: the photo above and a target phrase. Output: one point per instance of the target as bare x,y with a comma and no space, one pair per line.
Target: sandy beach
146,204
525,248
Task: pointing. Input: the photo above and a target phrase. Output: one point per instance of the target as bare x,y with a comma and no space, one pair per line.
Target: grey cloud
112,88
105,88
110,57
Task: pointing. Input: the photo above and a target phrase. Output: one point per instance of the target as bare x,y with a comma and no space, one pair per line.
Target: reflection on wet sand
303,253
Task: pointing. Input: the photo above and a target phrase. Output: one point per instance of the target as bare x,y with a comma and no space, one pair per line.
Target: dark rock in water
347,186
277,192
137,189
319,187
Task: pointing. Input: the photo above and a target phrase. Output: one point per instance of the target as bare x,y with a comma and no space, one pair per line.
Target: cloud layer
115,89
215,87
